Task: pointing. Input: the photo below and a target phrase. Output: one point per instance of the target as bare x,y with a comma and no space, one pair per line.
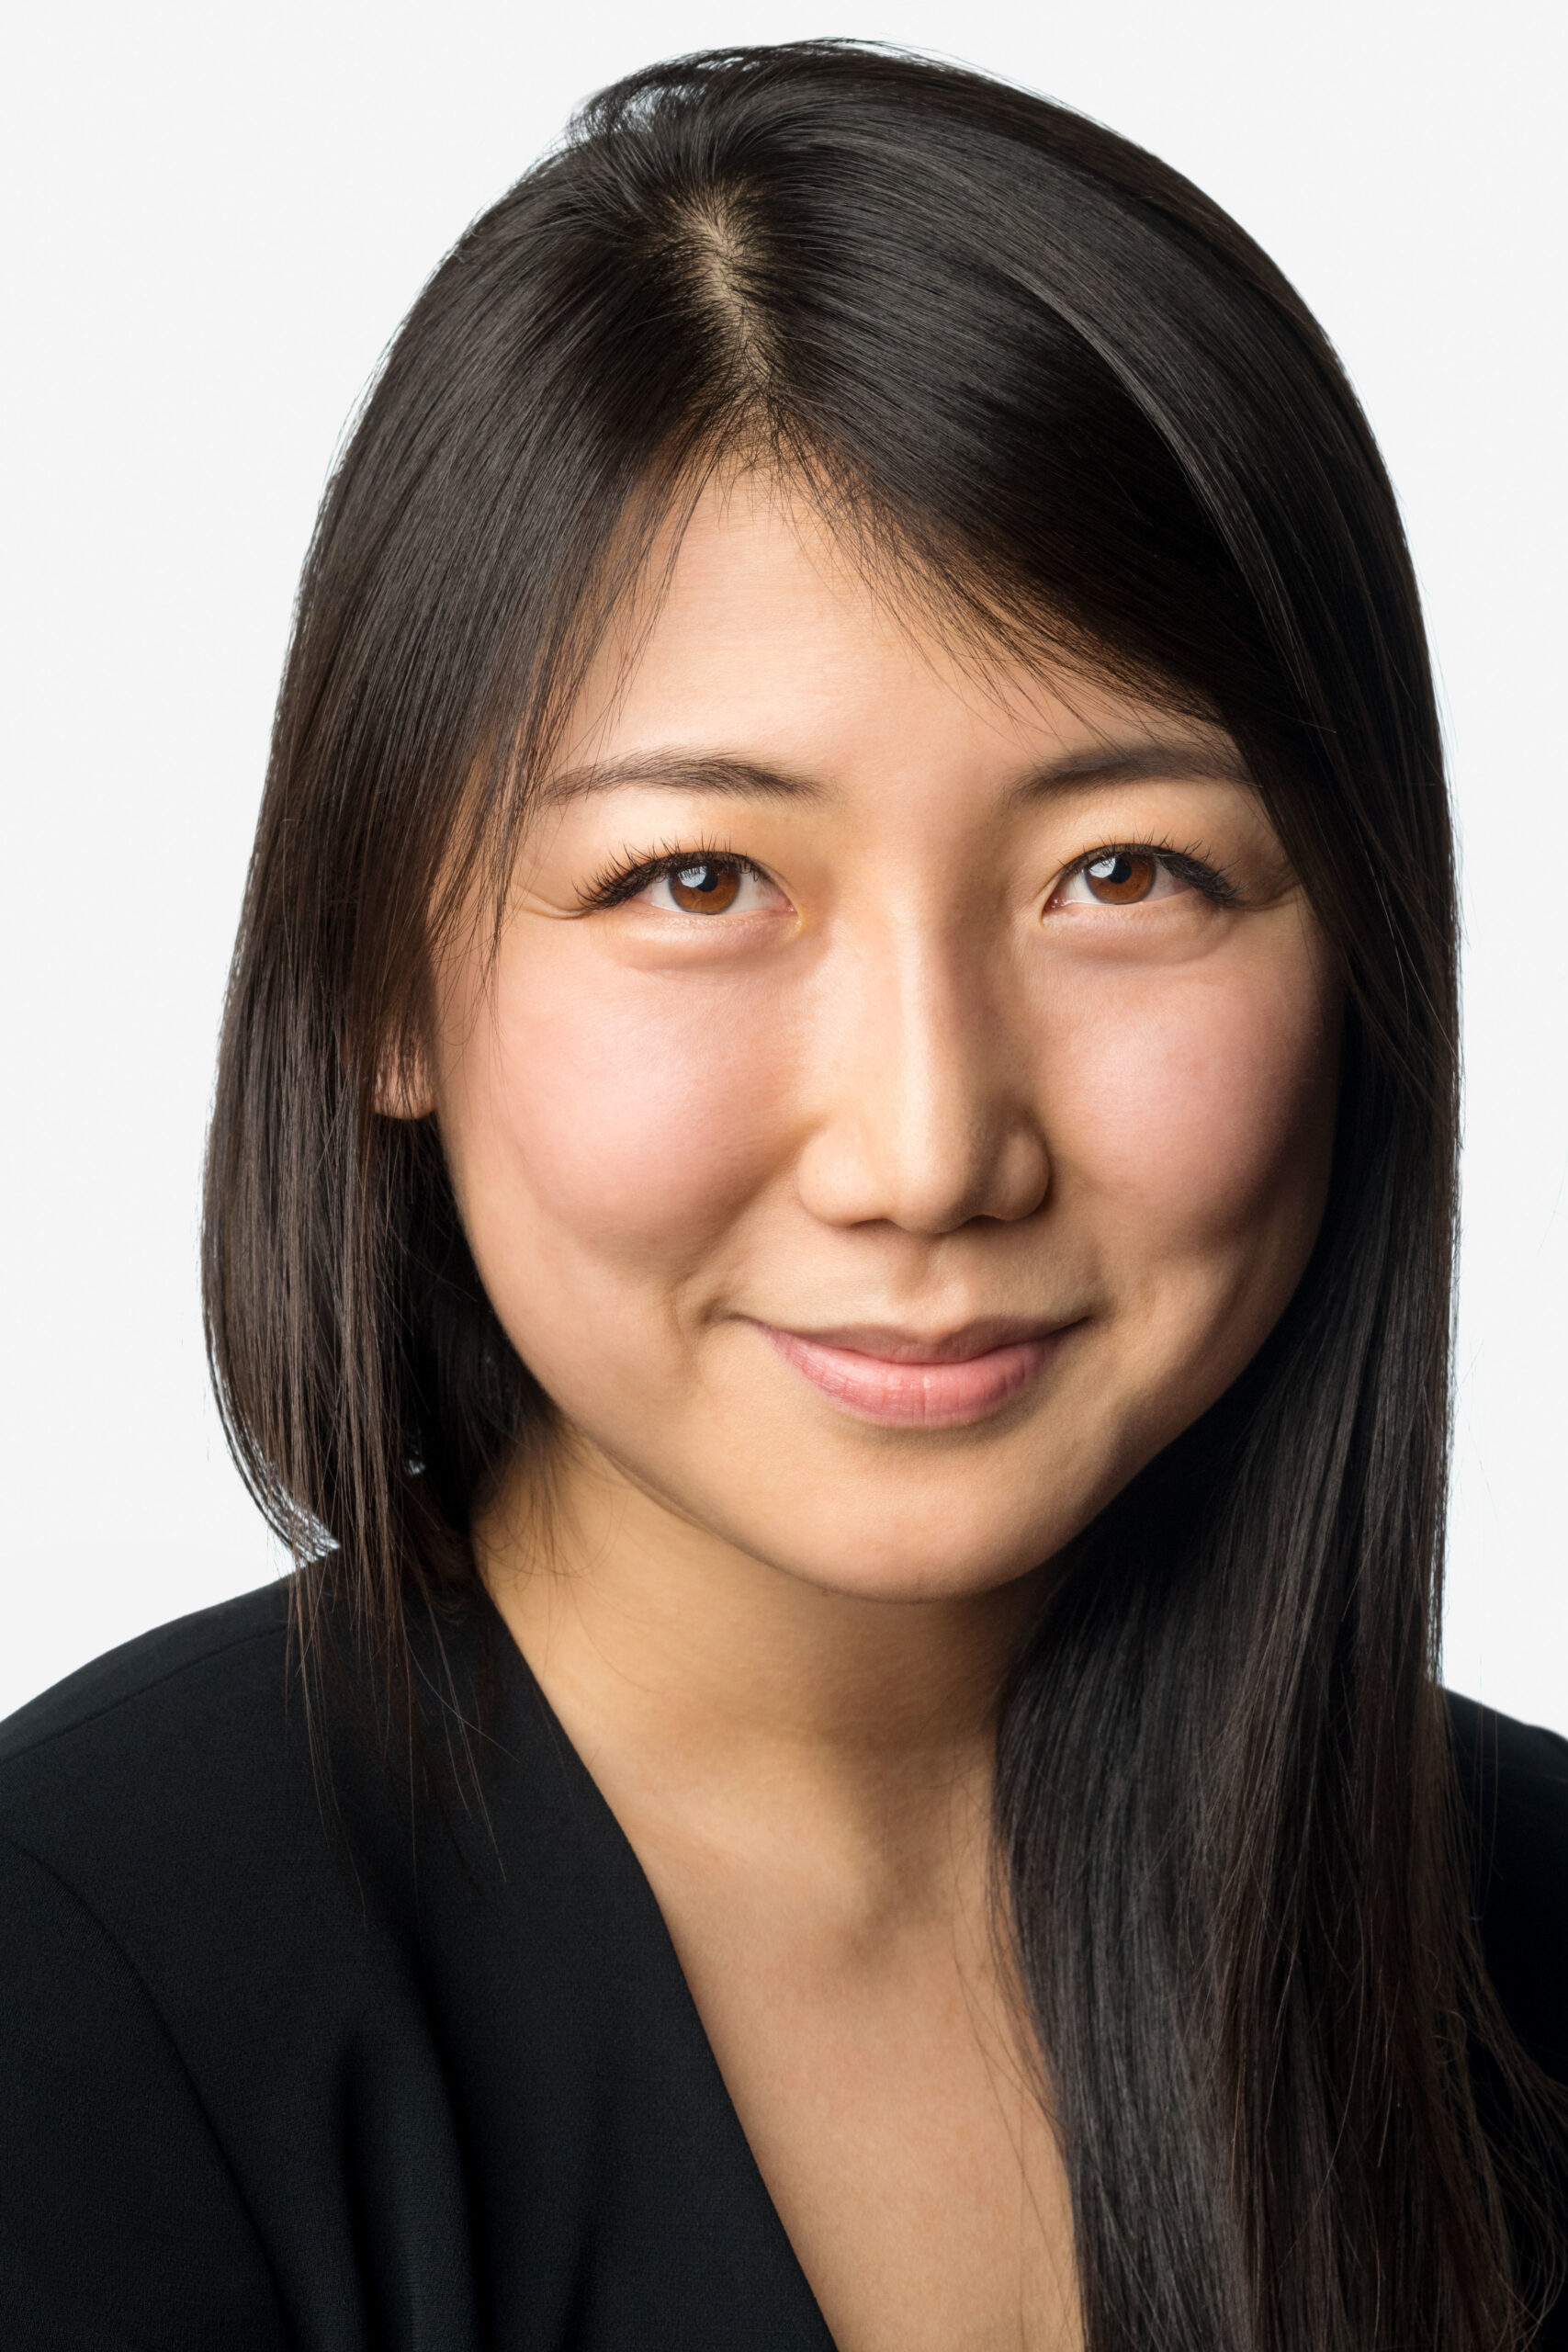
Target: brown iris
1121,877
705,888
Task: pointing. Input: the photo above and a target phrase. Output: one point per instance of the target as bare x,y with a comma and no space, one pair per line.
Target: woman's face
903,1100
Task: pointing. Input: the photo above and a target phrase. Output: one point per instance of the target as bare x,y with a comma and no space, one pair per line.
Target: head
858,780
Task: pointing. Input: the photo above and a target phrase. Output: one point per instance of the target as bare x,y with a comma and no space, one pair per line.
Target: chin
938,1583
919,1562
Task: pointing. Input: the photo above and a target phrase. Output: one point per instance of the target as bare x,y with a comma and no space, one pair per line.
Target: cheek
628,1125
1199,1109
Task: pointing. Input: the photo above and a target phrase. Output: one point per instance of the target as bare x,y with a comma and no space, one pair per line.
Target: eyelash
1204,873
623,879
626,877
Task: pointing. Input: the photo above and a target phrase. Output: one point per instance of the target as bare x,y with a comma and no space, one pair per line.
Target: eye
709,885
1122,877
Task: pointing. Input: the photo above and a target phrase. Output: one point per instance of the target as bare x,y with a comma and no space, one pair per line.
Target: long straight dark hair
1033,368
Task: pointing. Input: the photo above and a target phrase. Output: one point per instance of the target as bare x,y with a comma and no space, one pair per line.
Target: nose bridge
924,1120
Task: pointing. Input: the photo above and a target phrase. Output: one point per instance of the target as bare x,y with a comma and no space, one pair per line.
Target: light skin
875,1186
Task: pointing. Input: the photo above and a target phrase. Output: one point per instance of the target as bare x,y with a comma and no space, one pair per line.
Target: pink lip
879,1375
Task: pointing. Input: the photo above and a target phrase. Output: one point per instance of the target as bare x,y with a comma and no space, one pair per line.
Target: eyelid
623,880
1205,873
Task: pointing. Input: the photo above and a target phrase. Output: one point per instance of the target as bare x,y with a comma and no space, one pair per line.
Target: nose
924,1116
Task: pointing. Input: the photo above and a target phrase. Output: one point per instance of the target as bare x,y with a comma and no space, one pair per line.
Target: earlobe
403,1090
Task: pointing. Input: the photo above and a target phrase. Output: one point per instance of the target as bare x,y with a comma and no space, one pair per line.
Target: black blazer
269,2085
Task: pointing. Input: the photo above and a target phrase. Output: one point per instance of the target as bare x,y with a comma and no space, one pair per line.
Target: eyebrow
684,771
1177,759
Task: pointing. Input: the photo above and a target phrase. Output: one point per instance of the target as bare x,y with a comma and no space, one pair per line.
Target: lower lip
915,1396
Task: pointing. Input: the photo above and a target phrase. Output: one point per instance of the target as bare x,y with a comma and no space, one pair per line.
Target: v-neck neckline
524,1720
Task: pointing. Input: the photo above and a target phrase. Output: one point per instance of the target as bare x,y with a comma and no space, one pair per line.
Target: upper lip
895,1343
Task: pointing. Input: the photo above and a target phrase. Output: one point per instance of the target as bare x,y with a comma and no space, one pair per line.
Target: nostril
1021,1178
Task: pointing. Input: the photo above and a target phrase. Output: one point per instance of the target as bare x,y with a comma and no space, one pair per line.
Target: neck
720,1696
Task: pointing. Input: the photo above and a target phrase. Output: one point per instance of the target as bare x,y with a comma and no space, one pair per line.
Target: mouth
878,1373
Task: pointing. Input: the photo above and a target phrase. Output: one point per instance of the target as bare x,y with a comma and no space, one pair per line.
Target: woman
829,1232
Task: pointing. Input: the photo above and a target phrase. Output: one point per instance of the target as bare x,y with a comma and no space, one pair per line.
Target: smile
878,1374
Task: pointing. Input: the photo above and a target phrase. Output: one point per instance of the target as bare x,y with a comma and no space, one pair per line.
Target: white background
216,216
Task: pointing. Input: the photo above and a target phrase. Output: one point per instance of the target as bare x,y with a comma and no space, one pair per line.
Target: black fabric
431,2079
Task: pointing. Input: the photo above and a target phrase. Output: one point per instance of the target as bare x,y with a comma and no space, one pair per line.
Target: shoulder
1514,1784
131,1676
163,1761
163,1815
208,2040
168,1702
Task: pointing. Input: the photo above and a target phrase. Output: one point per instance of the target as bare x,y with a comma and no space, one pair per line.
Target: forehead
763,630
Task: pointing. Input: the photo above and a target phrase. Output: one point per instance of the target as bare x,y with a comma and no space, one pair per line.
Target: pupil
698,877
